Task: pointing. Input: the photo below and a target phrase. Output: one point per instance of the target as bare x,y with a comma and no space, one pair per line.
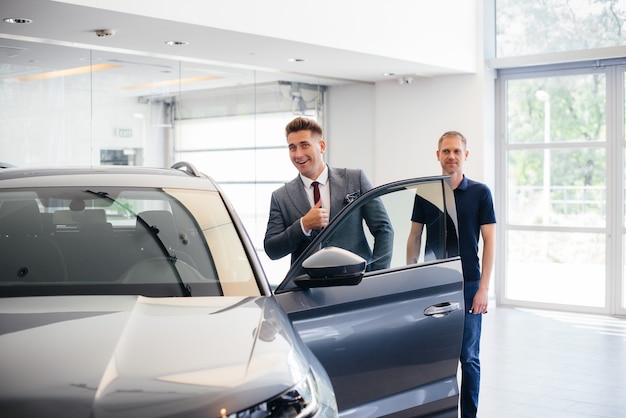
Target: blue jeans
470,349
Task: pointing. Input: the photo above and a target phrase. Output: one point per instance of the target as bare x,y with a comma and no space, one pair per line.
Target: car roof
184,176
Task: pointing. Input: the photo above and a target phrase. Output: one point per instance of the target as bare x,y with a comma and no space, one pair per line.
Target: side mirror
332,266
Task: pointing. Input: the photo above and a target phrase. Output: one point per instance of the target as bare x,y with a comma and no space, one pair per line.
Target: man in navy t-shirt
476,217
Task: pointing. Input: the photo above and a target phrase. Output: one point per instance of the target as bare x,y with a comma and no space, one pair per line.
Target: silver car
136,292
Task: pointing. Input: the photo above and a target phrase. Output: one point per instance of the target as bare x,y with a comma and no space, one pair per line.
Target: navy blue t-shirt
441,237
474,208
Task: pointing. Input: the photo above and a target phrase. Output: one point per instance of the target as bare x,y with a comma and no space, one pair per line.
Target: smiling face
452,154
306,151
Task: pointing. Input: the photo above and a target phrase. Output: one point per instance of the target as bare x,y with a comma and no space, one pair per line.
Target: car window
113,240
377,226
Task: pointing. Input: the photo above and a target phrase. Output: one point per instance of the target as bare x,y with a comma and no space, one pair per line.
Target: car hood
137,356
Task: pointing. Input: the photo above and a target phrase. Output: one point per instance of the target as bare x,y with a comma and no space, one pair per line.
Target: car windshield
113,240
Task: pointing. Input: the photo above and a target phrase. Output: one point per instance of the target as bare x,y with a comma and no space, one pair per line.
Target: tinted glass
389,215
397,212
120,241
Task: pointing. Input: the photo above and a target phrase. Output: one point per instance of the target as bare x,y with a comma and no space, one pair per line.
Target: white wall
391,130
350,127
411,118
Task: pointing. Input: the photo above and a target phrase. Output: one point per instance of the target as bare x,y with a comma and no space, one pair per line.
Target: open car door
388,333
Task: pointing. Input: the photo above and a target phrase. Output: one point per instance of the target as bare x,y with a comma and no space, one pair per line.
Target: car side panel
391,343
382,352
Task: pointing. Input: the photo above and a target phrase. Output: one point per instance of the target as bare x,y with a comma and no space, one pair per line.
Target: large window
533,27
563,143
561,148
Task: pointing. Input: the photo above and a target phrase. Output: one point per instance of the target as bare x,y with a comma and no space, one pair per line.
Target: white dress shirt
324,187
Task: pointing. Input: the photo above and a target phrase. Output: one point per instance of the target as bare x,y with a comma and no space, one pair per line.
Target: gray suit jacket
289,203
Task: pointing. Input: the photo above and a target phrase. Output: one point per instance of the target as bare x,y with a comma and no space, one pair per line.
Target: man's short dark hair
303,124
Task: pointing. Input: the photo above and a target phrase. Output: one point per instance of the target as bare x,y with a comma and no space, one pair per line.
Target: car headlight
301,401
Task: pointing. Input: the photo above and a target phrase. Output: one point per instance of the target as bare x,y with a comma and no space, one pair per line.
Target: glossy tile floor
552,364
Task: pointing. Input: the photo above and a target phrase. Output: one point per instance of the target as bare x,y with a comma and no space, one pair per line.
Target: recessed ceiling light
176,43
389,74
296,60
18,20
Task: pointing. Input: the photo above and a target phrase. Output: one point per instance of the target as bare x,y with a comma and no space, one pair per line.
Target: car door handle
442,309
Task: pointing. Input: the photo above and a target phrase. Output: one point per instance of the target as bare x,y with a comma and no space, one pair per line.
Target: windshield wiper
171,258
154,233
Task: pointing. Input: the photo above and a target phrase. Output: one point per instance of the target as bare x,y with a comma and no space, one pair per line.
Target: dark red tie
316,191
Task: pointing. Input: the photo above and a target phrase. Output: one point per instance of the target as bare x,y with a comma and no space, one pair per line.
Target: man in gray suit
296,218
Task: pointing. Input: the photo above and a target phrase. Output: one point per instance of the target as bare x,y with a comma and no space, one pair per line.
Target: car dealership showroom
148,160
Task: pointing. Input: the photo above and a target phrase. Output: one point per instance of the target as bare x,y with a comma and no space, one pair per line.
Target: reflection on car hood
136,356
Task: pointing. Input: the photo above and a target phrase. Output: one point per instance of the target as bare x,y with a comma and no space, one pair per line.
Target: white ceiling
339,41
